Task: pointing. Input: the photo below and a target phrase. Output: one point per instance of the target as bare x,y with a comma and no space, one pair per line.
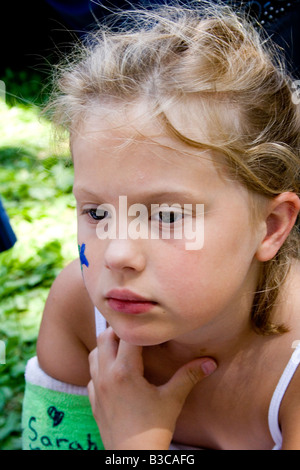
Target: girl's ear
281,217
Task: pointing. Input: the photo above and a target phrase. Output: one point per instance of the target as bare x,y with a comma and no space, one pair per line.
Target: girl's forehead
116,121
208,122
115,156
117,127
130,142
110,168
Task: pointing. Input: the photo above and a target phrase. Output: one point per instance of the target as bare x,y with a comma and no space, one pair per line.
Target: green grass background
36,179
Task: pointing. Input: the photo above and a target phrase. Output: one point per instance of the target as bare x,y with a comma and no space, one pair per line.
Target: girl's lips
126,301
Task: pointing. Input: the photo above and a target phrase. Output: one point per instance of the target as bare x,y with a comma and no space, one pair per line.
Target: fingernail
208,367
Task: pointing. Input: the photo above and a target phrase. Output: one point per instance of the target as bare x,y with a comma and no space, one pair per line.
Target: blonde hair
187,58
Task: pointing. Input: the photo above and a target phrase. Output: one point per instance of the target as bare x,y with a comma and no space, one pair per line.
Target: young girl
182,110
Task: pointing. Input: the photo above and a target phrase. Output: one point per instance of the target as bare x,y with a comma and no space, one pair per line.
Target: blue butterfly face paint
83,259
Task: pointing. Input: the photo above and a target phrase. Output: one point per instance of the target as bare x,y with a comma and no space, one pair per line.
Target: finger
92,396
131,355
107,344
93,362
91,392
105,352
185,379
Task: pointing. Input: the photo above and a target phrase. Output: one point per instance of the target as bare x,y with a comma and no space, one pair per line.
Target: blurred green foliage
36,179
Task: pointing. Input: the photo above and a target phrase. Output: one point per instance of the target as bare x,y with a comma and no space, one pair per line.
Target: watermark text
159,221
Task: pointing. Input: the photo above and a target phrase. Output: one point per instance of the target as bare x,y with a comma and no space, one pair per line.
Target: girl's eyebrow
80,191
174,196
171,196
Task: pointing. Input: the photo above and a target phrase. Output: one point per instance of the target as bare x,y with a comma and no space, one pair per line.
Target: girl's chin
139,338
138,341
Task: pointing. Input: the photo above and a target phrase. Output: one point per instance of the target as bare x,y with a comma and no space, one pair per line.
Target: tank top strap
273,415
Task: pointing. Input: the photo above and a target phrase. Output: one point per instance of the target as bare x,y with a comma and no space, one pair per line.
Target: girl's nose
124,254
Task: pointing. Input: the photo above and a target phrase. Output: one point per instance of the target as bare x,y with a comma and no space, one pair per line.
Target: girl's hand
130,412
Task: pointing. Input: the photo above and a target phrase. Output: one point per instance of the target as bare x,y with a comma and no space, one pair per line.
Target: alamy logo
166,222
2,353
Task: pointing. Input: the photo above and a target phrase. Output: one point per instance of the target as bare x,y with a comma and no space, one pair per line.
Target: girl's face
184,291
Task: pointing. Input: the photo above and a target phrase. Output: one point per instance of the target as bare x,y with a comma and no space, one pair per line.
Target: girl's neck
163,360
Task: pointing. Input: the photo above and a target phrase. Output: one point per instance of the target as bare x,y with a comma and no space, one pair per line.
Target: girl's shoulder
67,333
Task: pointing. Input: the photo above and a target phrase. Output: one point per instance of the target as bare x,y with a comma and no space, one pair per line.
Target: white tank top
273,415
